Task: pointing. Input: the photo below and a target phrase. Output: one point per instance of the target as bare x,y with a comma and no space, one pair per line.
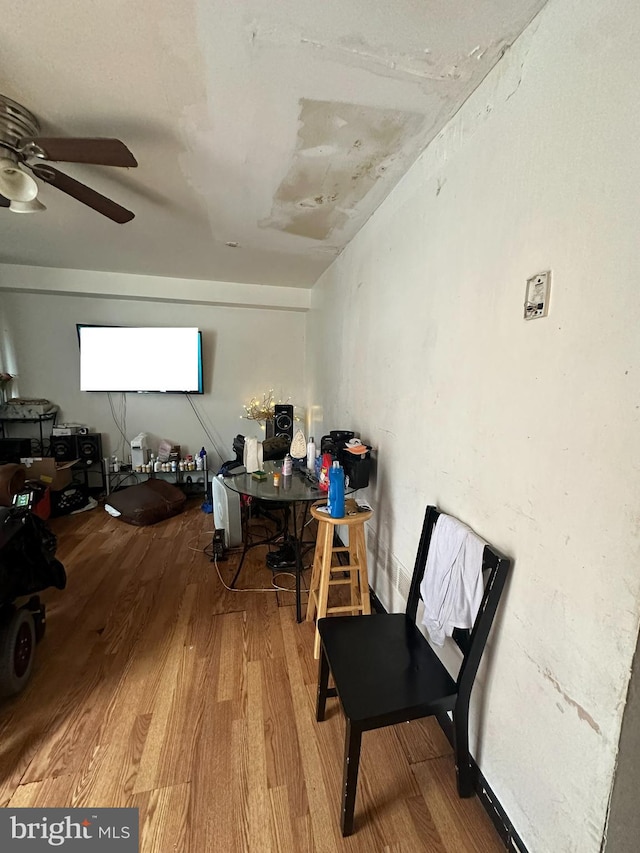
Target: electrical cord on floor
273,588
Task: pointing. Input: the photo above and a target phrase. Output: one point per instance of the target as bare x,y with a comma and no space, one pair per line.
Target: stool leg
365,598
315,574
354,561
325,576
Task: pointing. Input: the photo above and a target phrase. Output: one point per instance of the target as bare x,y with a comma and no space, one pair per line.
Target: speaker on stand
283,420
89,447
64,448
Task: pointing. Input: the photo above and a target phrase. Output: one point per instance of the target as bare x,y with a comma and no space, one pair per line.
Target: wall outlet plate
536,303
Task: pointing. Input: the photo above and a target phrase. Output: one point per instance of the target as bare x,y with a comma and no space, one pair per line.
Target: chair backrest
472,642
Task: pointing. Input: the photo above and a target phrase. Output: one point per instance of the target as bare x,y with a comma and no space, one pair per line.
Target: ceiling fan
21,148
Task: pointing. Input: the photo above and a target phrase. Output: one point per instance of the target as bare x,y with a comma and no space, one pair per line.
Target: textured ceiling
278,126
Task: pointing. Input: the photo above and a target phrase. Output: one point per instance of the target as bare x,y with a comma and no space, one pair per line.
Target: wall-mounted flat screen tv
141,360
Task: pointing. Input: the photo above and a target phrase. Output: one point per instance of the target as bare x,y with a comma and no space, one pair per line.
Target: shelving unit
191,482
48,417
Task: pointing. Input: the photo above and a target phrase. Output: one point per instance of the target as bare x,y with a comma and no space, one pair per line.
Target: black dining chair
385,672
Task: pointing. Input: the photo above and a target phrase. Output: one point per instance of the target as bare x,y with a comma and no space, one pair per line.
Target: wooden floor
156,688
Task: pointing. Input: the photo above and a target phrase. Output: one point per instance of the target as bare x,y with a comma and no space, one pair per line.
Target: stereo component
14,449
89,447
283,420
64,448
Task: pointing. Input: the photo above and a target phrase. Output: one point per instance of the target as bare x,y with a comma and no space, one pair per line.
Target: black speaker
89,447
283,420
14,449
64,447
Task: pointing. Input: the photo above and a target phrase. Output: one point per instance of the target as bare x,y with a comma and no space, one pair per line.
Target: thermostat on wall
536,302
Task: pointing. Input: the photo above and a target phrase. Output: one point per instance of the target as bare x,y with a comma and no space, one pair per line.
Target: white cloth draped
452,586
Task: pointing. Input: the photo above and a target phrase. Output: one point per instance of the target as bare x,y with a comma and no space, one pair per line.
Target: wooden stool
321,578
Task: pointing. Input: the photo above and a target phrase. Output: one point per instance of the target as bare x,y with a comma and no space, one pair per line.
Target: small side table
321,577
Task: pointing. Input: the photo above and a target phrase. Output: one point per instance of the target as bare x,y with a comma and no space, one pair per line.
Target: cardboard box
46,470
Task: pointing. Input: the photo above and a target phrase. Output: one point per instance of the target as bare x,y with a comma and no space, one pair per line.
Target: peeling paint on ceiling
341,151
280,127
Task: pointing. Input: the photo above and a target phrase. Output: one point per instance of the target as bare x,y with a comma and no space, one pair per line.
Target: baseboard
490,802
376,604
496,813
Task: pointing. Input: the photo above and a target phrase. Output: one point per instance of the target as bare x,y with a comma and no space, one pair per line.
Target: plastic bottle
287,466
311,454
323,479
336,491
157,466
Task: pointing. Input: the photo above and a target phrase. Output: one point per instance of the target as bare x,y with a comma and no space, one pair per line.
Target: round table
300,487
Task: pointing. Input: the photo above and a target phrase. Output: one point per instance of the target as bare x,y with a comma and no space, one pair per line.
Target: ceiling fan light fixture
33,206
15,184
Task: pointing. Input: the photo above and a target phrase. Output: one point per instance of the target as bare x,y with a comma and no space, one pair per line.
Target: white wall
528,431
246,350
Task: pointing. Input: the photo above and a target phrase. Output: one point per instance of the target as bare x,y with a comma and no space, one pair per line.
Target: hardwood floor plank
283,825
462,825
283,754
163,816
422,740
260,820
212,813
53,792
150,764
231,681
322,818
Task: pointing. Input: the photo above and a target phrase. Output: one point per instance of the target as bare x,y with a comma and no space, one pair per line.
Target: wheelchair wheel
17,646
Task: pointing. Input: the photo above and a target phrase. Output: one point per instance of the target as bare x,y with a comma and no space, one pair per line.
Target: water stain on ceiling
342,151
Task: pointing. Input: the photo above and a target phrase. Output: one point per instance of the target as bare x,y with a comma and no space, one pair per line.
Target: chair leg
353,739
461,747
323,684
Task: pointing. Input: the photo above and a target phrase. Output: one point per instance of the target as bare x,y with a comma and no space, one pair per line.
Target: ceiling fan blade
101,152
82,193
4,202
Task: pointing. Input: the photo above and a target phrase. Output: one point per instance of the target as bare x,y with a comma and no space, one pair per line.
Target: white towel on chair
452,586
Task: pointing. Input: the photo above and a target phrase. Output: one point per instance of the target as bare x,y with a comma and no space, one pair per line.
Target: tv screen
142,360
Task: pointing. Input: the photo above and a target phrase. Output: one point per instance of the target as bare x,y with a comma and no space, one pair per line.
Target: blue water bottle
336,491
